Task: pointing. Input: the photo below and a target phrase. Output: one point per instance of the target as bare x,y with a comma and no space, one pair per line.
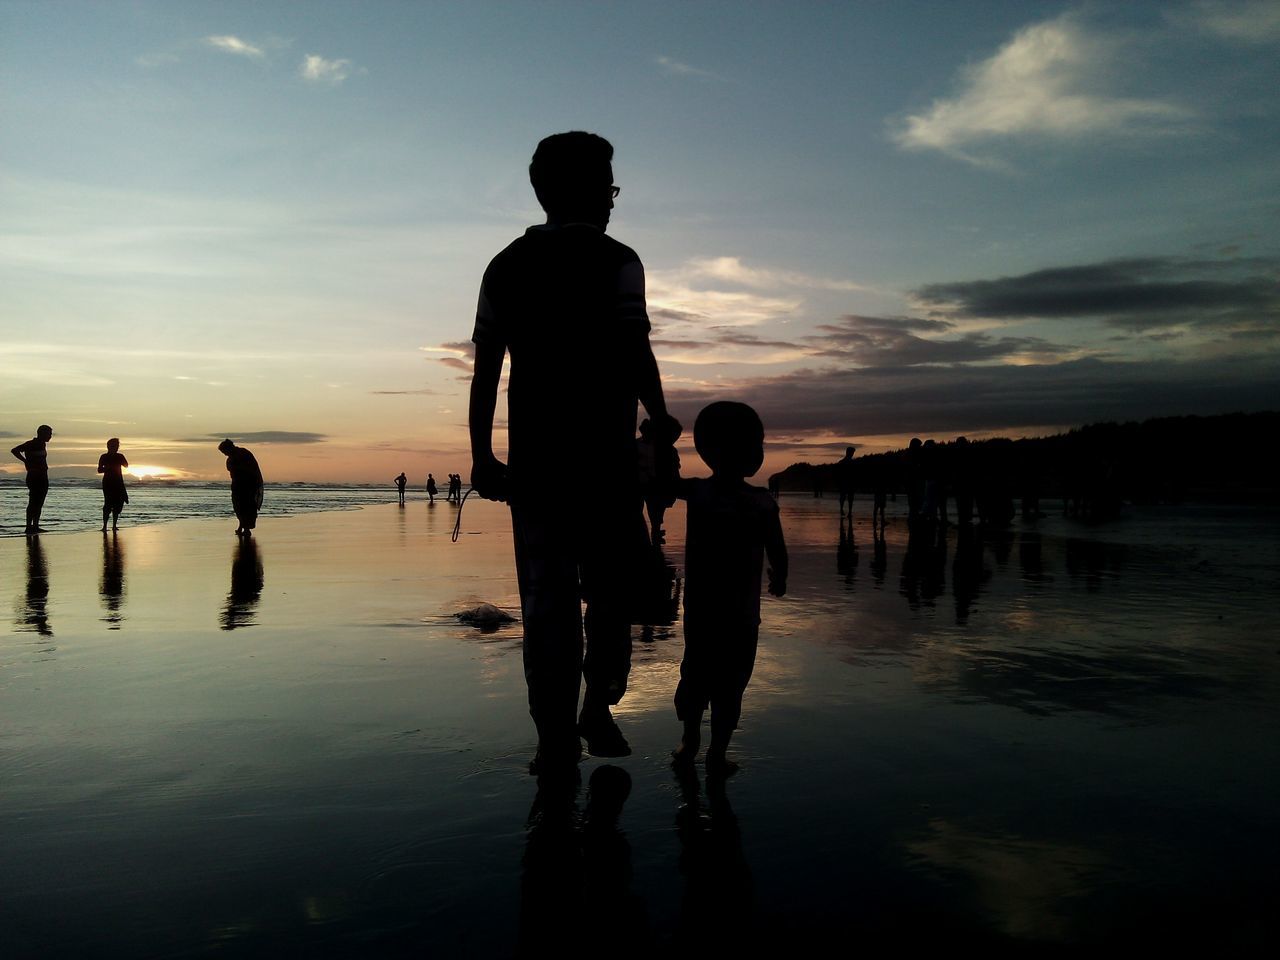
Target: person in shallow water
114,495
401,481
731,527
432,489
35,457
246,485
567,302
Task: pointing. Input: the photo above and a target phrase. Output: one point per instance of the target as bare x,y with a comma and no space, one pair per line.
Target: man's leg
614,539
547,572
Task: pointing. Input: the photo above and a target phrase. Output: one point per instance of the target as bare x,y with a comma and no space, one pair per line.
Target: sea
75,504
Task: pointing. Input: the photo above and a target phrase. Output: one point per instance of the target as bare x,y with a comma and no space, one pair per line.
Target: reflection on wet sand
33,610
246,586
112,585
717,909
1046,621
577,870
847,553
1028,889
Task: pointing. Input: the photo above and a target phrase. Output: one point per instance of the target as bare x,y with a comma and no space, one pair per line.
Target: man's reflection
246,585
576,882
34,613
112,586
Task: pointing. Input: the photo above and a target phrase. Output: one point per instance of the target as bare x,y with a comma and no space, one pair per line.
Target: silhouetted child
731,525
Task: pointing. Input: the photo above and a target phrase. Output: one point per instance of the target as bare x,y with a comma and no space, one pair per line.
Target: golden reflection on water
1028,888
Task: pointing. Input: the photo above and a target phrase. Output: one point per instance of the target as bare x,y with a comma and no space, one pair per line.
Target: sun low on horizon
269,223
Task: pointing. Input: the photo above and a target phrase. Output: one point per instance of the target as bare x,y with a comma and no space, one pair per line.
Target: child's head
729,437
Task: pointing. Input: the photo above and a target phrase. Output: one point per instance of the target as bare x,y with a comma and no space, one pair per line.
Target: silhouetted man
844,480
567,302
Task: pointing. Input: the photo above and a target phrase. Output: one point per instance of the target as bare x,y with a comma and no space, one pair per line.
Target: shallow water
77,504
1061,734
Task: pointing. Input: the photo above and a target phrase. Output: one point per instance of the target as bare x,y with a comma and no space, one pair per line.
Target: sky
868,220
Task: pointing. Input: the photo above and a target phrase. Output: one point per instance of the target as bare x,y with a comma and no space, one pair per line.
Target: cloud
1046,83
733,270
675,68
891,342
863,341
317,69
1236,294
229,44
460,356
258,436
424,391
962,398
1251,22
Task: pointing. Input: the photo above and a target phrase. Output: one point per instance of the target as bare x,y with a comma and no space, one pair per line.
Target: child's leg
690,740
726,701
692,697
725,713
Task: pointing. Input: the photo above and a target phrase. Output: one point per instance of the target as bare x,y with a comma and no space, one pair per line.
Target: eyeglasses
614,191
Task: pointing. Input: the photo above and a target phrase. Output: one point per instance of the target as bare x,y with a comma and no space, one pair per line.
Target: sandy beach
1052,736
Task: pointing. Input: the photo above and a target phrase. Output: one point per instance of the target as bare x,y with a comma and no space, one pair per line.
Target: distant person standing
401,482
432,489
844,480
35,457
567,302
114,495
246,485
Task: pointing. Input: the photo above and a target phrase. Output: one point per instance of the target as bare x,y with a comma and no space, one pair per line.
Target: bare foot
718,765
685,754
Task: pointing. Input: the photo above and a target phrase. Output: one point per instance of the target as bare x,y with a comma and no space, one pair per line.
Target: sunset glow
148,472
1045,214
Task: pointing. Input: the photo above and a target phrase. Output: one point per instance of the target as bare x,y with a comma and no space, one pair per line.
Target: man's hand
666,430
489,478
777,585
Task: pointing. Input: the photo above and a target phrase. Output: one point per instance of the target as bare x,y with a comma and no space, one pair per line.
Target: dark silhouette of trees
1087,472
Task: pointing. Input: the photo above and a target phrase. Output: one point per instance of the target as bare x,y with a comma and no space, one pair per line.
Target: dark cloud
8,433
1139,294
424,391
890,342
923,399
258,436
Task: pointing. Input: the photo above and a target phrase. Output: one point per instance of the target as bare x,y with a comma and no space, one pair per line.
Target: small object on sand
486,616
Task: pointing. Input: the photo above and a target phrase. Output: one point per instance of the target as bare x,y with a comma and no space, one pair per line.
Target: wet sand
1052,736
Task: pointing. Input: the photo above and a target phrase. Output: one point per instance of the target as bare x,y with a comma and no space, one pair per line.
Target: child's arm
776,550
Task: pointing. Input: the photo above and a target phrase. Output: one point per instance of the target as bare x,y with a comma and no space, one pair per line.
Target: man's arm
19,450
488,473
648,384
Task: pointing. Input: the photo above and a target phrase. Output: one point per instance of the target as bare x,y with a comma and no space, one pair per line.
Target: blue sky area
869,220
